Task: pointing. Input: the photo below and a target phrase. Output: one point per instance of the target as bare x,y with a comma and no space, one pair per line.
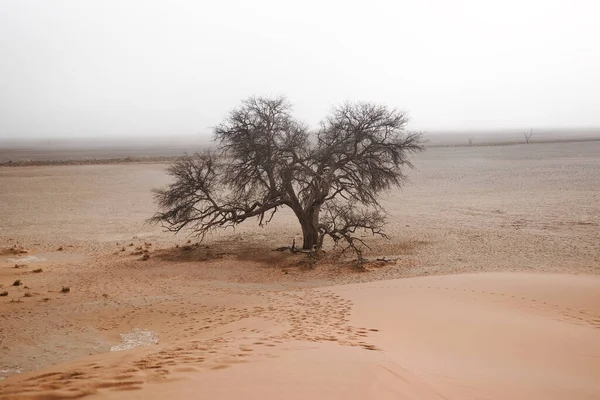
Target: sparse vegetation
5,293
20,266
91,161
37,270
528,136
65,289
145,257
266,160
16,249
60,248
17,282
27,294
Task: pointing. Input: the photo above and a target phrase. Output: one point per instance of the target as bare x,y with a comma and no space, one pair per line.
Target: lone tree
331,178
528,136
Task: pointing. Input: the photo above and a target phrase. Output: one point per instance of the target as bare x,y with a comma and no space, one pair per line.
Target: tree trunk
310,233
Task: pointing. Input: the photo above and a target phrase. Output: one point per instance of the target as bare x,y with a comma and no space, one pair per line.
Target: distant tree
528,136
265,160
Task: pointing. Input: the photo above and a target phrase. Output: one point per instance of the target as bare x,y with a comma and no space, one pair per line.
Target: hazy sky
147,67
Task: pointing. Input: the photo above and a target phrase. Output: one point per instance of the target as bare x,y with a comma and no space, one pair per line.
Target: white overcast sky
86,68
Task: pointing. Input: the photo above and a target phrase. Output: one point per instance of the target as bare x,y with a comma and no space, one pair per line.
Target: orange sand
513,311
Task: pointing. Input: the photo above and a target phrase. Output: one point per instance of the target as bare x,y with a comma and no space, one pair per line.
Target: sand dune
479,336
489,335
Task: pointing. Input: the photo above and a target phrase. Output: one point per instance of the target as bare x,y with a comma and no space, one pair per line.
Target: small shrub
60,248
65,289
27,294
37,271
45,299
20,266
105,296
145,257
122,248
17,282
5,293
17,249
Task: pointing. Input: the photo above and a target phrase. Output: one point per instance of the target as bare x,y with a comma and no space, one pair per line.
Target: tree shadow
228,249
261,255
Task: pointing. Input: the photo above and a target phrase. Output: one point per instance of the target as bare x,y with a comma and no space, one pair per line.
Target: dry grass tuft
15,249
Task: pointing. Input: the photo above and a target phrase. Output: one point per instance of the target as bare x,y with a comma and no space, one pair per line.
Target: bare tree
331,178
528,136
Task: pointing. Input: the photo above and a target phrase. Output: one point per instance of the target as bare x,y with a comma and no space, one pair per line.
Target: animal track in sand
305,315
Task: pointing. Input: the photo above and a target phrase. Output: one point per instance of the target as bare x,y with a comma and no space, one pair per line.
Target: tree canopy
265,159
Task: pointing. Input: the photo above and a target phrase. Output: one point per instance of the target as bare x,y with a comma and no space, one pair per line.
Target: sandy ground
511,234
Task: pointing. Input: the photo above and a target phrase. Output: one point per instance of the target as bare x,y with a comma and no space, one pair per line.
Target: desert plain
492,289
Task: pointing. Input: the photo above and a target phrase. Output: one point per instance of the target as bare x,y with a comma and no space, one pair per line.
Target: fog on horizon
80,69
